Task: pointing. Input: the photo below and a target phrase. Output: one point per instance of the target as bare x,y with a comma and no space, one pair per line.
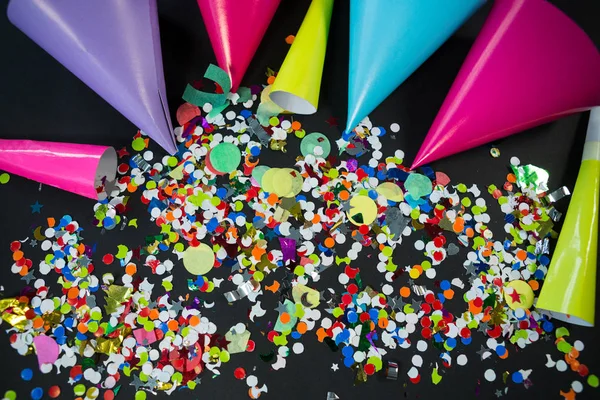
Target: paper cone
298,82
569,290
530,65
77,168
389,40
235,30
113,46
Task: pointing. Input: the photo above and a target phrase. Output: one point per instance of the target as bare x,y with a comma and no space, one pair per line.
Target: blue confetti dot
373,194
539,274
544,260
352,317
466,341
246,113
221,193
517,377
451,342
500,350
348,361
108,222
27,374
37,393
296,335
547,326
444,285
255,151
374,314
348,351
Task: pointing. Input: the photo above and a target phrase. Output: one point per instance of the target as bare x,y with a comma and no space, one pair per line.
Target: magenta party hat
76,168
530,65
113,46
235,29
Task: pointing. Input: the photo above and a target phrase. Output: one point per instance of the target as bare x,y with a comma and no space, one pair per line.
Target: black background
40,99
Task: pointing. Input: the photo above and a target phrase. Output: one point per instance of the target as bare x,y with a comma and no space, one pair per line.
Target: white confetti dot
298,348
490,375
395,127
561,365
417,360
579,346
251,381
419,245
515,161
421,345
462,360
387,289
577,386
343,279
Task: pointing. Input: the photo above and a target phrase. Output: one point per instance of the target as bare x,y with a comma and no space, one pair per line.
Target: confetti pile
266,235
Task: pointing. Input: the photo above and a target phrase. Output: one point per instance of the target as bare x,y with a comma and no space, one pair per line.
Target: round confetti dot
390,191
462,360
4,178
577,386
198,260
561,366
313,141
37,393
593,381
10,395
251,381
363,210
515,161
239,373
54,391
140,395
517,377
225,157
490,375
395,127
27,374
298,348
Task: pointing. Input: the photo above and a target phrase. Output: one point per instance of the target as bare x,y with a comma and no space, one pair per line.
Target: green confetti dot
12,395
4,178
138,144
177,377
93,326
214,351
300,133
461,187
149,326
299,270
172,161
258,276
418,185
140,395
273,121
466,202
561,331
387,251
425,265
179,247
79,389
414,214
191,385
225,157
224,356
564,347
593,381
97,315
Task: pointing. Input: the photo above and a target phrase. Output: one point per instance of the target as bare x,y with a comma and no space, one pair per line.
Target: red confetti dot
109,395
363,229
438,255
429,298
352,288
54,391
426,333
426,308
583,370
425,322
477,302
465,333
416,380
369,369
239,373
439,241
364,317
108,259
437,305
250,346
14,246
346,299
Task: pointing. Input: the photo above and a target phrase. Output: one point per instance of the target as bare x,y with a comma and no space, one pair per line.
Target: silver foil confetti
242,291
558,194
141,163
391,370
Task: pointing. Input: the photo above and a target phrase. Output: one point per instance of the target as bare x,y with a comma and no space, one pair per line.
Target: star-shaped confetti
36,208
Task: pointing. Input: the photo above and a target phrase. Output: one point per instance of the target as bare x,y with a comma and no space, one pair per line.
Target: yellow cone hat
569,290
298,82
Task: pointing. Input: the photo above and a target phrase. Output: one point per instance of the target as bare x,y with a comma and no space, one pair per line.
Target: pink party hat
530,64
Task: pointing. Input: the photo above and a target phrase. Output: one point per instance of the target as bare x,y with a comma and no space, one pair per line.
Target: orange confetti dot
271,80
130,269
51,221
73,292
511,178
470,232
404,291
194,320
82,328
521,255
131,187
449,294
382,323
154,314
17,255
284,318
173,325
535,285
316,219
301,327
505,355
296,125
344,195
272,199
24,270
329,242
38,322
290,39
